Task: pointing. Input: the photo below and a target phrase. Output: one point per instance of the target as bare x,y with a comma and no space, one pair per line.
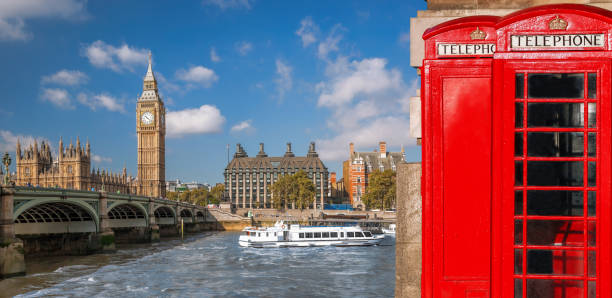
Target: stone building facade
71,168
248,180
361,164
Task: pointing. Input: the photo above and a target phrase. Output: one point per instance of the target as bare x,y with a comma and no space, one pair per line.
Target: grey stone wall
408,235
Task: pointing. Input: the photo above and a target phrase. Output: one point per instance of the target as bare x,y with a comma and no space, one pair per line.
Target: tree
305,190
381,190
280,192
216,193
297,190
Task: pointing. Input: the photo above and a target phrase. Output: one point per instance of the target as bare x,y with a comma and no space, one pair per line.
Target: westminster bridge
48,221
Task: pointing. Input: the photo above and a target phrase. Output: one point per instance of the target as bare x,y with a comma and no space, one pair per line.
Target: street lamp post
6,160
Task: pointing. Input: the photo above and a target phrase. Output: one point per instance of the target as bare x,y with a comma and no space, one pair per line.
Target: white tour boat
390,231
282,235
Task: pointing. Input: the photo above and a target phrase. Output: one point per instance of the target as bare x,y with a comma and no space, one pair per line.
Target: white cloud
66,77
244,47
97,159
330,44
104,101
118,59
213,55
165,84
283,81
226,4
13,14
244,126
349,80
308,31
404,38
199,75
392,129
206,119
58,97
8,141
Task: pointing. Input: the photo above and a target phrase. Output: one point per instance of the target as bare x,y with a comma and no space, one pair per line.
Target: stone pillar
153,227
408,238
107,236
12,261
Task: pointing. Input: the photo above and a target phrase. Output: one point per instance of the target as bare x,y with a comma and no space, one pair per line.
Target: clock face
147,118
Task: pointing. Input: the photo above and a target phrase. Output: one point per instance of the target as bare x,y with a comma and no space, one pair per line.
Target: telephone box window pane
592,174
592,233
592,263
518,173
555,115
518,144
555,203
592,85
555,262
555,144
549,288
518,114
555,232
518,288
592,114
592,289
555,173
518,232
518,261
592,144
592,205
519,85
555,85
518,202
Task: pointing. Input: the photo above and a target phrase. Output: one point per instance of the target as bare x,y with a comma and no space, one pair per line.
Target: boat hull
337,243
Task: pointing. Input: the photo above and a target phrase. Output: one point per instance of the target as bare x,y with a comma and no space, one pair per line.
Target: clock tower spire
151,132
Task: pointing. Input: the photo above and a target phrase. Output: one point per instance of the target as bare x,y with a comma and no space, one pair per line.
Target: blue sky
230,71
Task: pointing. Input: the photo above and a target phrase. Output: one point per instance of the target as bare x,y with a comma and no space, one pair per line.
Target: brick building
361,164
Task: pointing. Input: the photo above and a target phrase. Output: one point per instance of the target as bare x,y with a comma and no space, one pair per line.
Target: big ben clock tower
151,131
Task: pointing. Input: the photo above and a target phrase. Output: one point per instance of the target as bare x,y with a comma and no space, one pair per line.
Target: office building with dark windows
248,180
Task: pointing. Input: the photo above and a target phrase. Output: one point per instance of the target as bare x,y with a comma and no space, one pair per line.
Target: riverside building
249,180
357,169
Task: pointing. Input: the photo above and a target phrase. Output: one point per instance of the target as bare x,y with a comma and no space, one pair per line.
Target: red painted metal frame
503,65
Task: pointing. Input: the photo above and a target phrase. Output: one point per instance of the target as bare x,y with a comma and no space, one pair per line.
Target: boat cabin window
317,235
325,234
358,234
301,235
266,234
368,234
258,234
350,234
247,233
334,234
342,234
308,235
274,233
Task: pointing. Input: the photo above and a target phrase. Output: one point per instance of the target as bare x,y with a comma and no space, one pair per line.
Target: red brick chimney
382,146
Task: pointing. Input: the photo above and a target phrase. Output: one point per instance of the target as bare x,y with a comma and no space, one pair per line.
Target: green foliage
293,190
195,196
381,191
107,240
217,194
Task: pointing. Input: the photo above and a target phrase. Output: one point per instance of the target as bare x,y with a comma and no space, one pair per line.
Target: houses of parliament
71,168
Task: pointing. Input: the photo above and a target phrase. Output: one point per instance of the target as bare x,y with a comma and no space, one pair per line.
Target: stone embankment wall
408,234
301,215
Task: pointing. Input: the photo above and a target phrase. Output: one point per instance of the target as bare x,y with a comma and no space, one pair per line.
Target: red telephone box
516,155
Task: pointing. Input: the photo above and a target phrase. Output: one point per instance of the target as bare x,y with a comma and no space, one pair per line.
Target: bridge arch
49,216
186,215
127,215
199,216
164,215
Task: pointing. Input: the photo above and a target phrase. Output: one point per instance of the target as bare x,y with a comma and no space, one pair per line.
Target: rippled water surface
212,265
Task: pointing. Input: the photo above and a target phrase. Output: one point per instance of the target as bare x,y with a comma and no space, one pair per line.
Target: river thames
211,265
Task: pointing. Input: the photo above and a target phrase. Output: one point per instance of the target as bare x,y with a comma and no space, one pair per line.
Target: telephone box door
556,178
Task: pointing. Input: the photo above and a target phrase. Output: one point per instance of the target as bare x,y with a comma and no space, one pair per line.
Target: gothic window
69,169
27,171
